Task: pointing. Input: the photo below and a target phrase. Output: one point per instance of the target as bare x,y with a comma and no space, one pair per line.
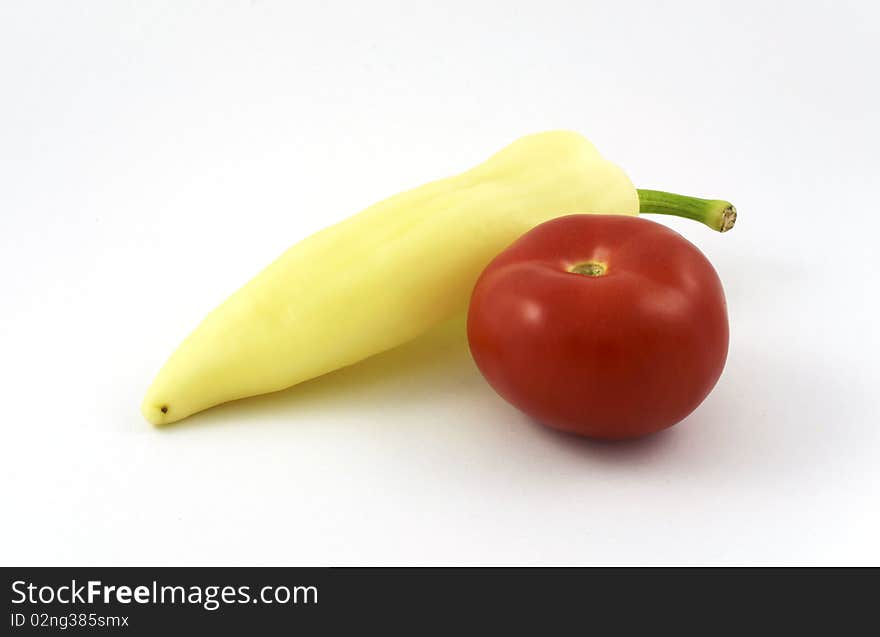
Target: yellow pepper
391,272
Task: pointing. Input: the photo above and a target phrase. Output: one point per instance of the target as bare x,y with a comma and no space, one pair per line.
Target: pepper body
384,276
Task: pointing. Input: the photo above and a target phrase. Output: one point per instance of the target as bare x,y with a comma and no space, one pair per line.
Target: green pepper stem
718,215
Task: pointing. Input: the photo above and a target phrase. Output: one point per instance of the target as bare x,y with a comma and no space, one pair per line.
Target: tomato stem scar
590,268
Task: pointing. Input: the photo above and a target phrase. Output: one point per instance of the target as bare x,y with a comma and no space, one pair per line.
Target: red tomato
602,325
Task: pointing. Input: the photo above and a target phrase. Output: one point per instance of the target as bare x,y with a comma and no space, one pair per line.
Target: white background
156,155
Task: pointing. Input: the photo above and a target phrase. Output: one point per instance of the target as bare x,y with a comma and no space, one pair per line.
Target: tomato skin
620,355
